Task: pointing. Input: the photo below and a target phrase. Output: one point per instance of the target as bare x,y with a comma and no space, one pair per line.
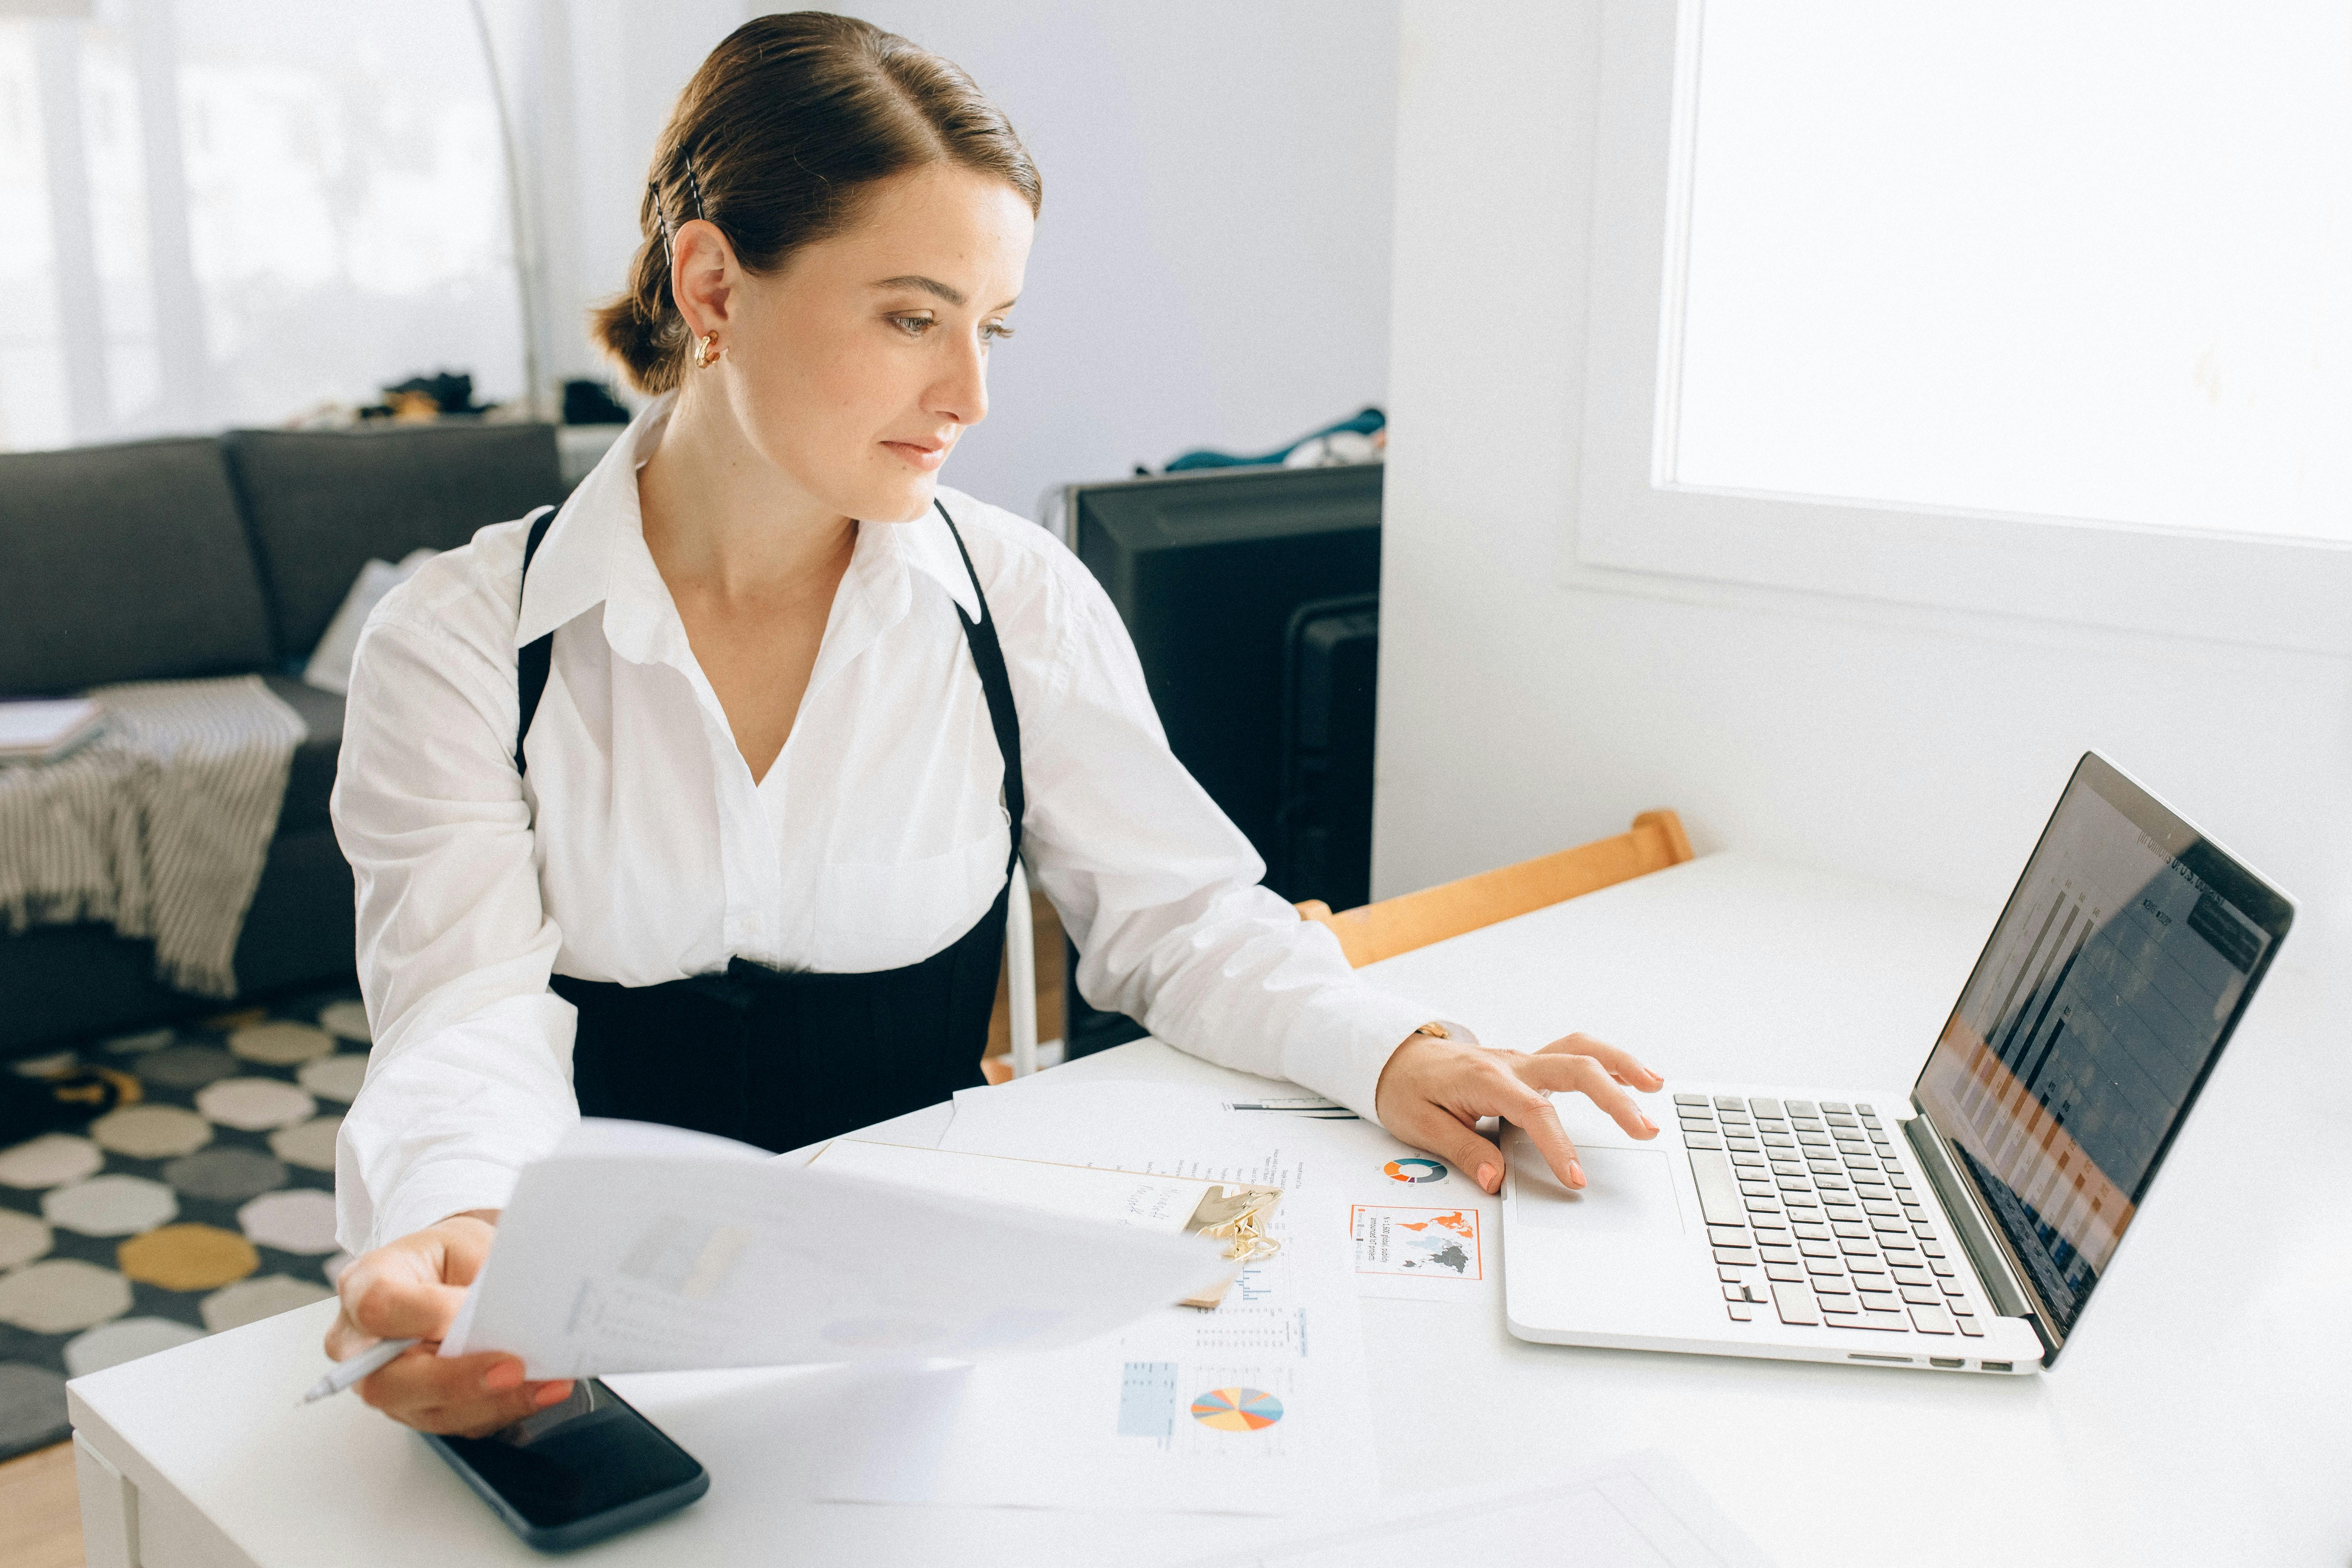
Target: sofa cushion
323,504
124,563
313,777
64,984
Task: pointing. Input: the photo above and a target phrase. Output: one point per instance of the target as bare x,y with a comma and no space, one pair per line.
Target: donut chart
1237,1409
1413,1170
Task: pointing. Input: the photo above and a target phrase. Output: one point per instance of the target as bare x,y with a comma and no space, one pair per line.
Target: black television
1253,598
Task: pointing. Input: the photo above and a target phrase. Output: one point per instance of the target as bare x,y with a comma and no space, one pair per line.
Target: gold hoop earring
706,353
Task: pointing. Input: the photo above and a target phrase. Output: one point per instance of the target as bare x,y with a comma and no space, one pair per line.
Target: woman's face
856,366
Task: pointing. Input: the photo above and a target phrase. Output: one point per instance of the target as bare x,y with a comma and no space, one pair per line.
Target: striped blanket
159,824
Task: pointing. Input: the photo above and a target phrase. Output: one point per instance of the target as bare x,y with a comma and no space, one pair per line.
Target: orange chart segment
1237,1409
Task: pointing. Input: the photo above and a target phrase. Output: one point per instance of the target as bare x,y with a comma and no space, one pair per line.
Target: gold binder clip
1239,1218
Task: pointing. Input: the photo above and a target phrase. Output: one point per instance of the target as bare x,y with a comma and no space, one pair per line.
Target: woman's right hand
411,1288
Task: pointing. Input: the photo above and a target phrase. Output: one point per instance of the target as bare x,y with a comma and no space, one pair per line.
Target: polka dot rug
204,1204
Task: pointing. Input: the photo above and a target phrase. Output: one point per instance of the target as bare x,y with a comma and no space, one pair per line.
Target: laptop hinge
1976,1237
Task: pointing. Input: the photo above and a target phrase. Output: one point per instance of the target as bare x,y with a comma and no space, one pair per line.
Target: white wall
1518,716
1211,267
590,83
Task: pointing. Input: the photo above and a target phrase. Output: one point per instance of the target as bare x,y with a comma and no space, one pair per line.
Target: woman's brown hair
775,139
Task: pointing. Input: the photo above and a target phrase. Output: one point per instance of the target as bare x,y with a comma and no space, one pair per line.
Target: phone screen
589,1457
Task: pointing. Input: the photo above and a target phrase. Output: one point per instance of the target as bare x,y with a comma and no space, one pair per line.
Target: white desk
2196,1419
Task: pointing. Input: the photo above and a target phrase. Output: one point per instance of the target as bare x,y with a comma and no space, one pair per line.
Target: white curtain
229,212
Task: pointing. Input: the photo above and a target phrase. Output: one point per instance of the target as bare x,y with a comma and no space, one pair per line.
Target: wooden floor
40,1514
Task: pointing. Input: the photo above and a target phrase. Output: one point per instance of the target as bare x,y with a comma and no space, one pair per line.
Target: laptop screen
2118,969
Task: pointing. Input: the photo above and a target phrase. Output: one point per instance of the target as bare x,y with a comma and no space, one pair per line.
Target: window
228,212
2041,310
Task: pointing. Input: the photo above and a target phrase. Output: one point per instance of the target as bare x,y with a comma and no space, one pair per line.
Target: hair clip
661,219
694,187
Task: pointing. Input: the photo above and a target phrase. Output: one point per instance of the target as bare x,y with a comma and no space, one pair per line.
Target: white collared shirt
638,849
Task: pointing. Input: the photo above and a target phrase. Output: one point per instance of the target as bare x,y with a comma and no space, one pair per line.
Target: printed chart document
1640,1512
1257,1406
1161,1203
639,1249
1414,1226
1172,1205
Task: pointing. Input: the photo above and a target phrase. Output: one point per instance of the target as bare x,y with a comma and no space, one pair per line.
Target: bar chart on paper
1257,1406
1151,1404
1233,1389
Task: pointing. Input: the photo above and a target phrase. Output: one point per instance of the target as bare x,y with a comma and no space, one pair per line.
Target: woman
695,801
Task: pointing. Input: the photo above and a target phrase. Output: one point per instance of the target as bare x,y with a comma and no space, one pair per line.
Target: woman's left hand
1433,1090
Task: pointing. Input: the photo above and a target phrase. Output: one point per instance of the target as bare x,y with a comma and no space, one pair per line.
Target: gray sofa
172,559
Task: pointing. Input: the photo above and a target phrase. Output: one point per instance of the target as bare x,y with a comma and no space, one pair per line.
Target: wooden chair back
1007,1025
1415,920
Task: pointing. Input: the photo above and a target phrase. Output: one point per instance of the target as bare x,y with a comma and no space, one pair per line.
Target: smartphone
578,1472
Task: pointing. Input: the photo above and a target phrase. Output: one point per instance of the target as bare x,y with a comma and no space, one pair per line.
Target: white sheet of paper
1258,1406
34,725
1162,1203
1640,1512
636,1248
1414,1227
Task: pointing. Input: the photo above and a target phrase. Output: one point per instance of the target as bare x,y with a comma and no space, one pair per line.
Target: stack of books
45,730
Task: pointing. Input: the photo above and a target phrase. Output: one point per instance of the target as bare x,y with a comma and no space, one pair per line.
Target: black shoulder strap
988,657
531,659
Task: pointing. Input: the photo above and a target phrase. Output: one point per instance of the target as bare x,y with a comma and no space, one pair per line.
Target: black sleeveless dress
781,1058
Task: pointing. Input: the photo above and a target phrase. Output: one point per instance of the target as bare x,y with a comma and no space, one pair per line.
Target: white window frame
1631,527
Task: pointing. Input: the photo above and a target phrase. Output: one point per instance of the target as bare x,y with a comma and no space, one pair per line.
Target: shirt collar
594,554
925,545
572,573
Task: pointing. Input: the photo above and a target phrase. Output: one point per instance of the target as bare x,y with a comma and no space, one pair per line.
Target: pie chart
1414,1170
1237,1409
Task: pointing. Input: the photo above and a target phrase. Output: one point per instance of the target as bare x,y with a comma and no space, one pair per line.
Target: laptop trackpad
1625,1190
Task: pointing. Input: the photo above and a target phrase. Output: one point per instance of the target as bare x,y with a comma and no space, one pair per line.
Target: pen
382,1354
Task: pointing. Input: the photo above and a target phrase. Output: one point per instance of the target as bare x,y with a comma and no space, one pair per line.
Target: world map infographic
1434,1243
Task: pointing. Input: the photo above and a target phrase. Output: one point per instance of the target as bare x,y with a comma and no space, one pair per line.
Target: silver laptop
1960,1225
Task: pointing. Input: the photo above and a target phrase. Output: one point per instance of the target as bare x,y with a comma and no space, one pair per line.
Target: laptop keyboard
1813,1215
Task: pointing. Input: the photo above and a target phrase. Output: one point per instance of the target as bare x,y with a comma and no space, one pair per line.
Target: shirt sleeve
1158,888
469,1075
